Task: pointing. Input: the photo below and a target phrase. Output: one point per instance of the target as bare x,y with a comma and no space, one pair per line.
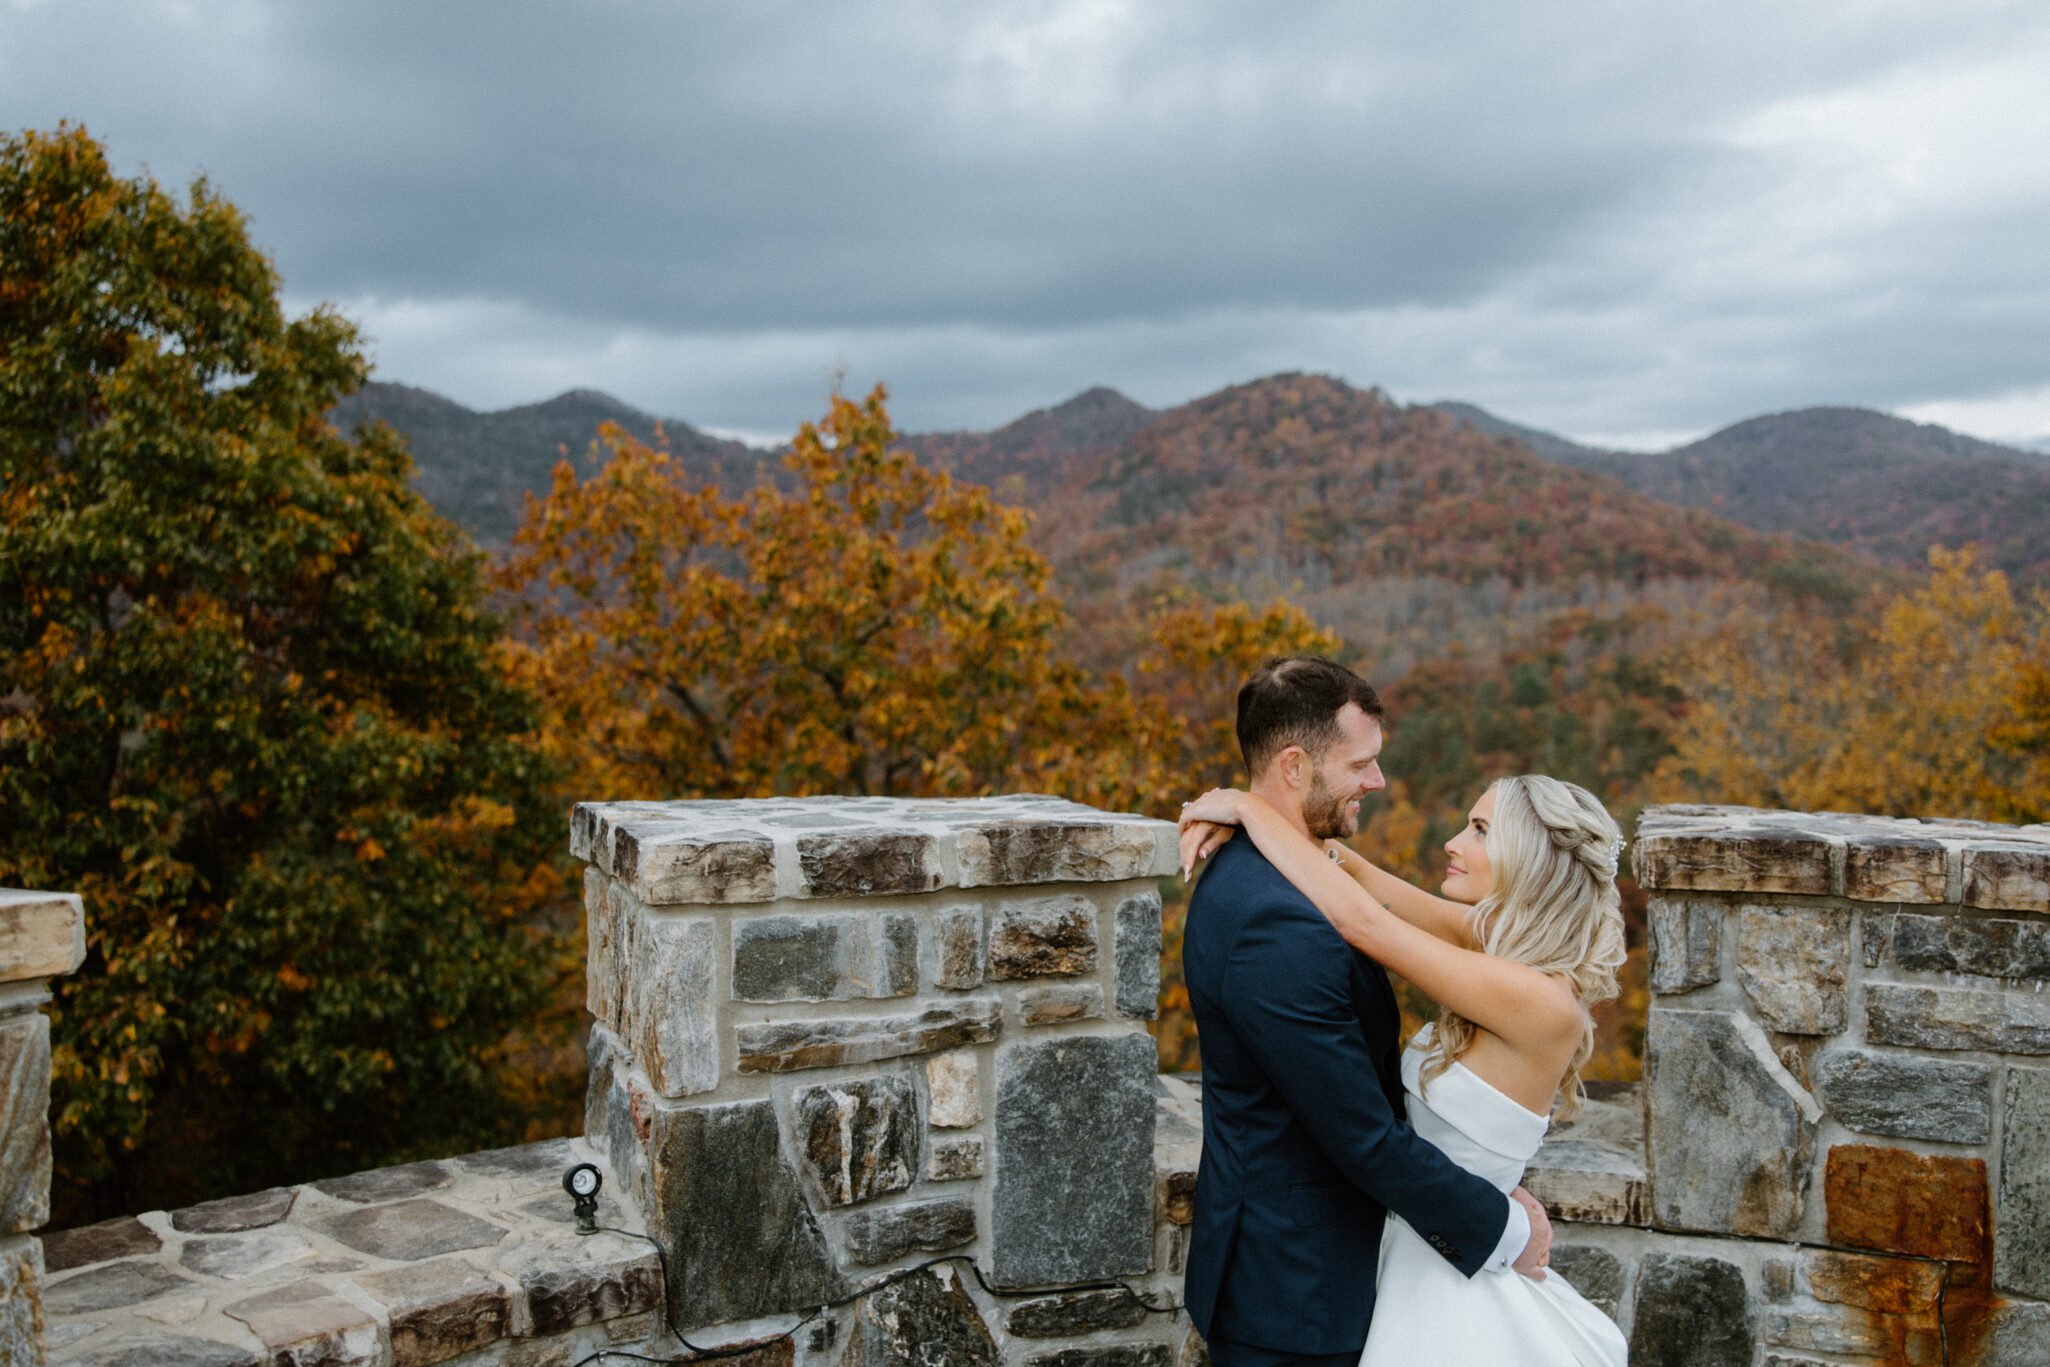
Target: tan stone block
1759,859
1902,1202
438,1309
954,1082
2008,877
1882,869
42,934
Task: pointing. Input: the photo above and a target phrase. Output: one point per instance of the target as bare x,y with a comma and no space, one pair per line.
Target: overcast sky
1631,223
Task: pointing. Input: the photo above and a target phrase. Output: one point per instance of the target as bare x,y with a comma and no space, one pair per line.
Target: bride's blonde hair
1554,906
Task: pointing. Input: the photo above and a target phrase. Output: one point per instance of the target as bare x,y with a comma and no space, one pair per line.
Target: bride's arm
1437,915
1511,1000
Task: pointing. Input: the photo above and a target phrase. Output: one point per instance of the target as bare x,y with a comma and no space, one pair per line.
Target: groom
1304,1142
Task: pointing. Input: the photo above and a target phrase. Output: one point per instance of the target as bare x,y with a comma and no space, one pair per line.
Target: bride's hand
1206,824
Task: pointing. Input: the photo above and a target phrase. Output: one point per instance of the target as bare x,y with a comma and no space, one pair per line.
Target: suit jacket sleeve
1290,996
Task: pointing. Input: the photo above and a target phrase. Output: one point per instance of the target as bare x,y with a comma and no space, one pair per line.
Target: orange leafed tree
1922,713
863,625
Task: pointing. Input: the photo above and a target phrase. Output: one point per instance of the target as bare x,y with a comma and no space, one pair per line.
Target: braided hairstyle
1554,906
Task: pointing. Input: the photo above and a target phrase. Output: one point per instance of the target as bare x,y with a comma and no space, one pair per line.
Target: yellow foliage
1906,716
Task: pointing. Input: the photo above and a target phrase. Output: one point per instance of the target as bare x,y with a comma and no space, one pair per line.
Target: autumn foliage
308,757
249,708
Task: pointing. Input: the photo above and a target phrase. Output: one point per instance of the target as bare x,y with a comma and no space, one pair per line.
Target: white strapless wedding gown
1428,1315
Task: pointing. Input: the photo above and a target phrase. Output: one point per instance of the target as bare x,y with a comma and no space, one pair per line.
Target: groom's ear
1293,766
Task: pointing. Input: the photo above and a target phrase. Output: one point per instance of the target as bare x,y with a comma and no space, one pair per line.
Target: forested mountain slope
477,468
1869,481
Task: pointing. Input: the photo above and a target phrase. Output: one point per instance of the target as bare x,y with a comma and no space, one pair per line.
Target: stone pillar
42,935
1849,1045
837,1036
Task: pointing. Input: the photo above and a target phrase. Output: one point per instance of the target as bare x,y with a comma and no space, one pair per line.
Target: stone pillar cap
764,849
42,934
1865,858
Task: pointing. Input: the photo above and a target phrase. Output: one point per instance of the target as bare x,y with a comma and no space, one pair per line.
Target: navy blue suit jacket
1305,1146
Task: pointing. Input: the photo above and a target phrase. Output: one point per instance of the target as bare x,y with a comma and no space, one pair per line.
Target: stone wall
42,936
1845,1152
838,1038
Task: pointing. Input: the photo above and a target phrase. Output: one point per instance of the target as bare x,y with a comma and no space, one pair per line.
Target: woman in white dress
1528,935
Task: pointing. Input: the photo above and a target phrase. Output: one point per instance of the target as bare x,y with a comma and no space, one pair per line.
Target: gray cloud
1622,220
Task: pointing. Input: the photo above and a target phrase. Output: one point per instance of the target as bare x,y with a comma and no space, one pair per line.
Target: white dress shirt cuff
1515,1235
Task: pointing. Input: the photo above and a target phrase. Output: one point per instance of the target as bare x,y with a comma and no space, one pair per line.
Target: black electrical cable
736,1350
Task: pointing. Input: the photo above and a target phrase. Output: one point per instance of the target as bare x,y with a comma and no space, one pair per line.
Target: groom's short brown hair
1296,701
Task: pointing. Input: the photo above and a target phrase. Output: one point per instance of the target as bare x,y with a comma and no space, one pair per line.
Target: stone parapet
42,936
838,1038
472,1259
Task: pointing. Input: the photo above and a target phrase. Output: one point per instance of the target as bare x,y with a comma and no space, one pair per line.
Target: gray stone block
302,1325
672,1010
2019,1337
1060,1003
406,1230
168,1350
886,1233
22,1338
741,1241
1053,852
545,1159
859,1137
1845,1331
1729,1132
921,1321
1109,1355
957,933
1957,1018
439,1309
1595,1273
1049,937
1076,1312
235,1256
124,1236
1074,1138
387,1184
24,1123
2004,877
1137,952
665,869
1794,963
1691,1312
584,1279
1874,933
787,1046
1906,1097
868,863
110,1286
1984,946
955,1158
233,1214
1686,943
835,957
2021,1203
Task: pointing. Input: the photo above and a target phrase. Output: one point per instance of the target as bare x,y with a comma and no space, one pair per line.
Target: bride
1528,935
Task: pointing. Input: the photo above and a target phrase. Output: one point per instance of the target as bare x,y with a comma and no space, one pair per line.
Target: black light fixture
582,1183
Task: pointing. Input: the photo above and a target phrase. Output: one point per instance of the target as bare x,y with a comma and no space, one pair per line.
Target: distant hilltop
1870,483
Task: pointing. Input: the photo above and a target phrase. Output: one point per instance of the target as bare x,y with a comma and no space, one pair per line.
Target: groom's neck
1278,794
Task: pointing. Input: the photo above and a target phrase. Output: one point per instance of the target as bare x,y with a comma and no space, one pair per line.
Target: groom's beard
1324,812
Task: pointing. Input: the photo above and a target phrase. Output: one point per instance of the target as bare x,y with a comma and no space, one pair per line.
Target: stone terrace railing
1845,1152
840,1038
42,936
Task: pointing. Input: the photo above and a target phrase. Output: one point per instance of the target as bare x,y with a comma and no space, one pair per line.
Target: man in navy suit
1305,1147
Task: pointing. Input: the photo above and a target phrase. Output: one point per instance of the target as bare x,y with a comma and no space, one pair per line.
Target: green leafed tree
250,707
